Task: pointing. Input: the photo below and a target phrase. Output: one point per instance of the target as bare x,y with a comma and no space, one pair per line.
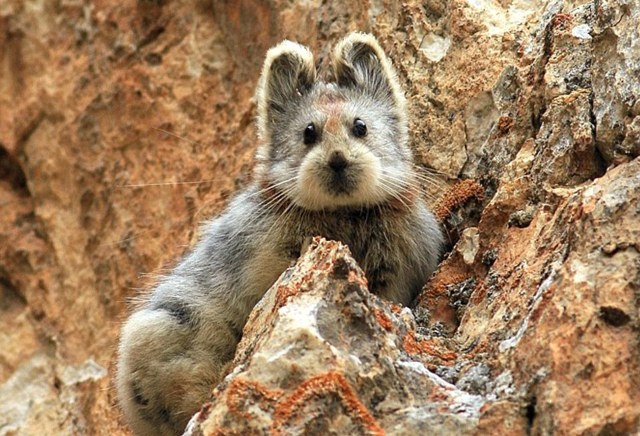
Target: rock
307,362
125,124
43,398
468,244
616,79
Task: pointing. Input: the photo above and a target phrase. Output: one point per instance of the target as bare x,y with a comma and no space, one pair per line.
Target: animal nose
338,161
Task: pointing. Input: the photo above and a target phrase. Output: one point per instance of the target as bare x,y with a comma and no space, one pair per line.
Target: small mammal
334,161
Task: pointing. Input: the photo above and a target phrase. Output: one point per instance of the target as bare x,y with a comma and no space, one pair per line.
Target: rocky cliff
124,124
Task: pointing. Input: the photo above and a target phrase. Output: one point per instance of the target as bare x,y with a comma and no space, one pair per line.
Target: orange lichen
383,319
437,287
359,279
561,20
410,344
240,390
437,396
435,297
396,308
413,346
322,385
284,292
432,349
479,292
457,196
505,123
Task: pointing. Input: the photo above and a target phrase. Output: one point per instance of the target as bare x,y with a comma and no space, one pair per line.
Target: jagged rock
320,354
43,397
124,124
559,312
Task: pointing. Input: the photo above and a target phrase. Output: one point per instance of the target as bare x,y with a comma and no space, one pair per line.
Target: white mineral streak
462,402
515,339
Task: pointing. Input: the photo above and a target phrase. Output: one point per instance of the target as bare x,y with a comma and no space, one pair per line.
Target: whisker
430,181
394,193
404,184
143,185
431,177
273,185
264,208
177,136
281,216
429,171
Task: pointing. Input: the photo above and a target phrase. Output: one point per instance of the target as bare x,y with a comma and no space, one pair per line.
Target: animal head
342,143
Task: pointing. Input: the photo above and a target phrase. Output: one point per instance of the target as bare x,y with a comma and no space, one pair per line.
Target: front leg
387,282
398,261
384,271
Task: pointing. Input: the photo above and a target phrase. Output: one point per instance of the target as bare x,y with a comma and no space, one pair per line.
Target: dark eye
359,128
310,135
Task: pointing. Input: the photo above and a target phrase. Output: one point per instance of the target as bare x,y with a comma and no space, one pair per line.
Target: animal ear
287,74
359,62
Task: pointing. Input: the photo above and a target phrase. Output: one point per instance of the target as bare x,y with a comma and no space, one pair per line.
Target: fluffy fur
359,189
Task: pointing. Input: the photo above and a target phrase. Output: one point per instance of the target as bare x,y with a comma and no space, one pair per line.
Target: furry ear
288,72
360,62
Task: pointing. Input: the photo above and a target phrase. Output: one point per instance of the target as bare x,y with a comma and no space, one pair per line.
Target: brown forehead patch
331,104
330,97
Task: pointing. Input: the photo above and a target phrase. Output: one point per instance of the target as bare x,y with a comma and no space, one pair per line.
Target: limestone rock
320,354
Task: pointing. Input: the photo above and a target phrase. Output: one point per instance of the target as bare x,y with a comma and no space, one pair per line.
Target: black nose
338,161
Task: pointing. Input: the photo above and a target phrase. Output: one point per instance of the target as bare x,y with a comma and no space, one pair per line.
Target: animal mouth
341,184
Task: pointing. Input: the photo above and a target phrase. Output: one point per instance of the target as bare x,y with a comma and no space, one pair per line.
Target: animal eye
310,135
359,128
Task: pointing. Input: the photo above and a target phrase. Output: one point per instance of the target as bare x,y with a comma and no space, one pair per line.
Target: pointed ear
288,73
360,62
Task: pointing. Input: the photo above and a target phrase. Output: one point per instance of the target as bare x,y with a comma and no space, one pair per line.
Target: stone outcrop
124,124
307,363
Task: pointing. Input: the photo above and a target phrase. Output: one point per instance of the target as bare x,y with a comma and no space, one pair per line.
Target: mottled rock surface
307,363
124,124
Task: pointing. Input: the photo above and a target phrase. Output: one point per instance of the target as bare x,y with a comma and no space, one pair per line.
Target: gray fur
175,347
